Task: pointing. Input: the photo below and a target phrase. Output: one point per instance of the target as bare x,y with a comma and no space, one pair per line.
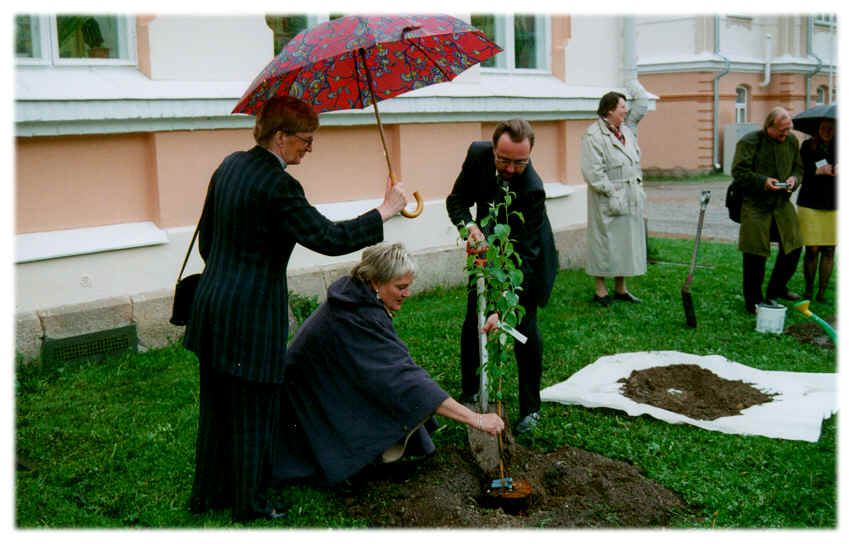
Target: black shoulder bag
184,291
734,193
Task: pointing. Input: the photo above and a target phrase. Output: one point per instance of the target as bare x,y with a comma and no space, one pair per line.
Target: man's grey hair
383,263
775,115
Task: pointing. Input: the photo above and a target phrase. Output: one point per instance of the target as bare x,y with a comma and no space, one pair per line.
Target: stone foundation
151,311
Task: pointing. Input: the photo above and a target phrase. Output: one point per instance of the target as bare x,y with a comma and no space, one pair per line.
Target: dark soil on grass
570,487
810,332
692,391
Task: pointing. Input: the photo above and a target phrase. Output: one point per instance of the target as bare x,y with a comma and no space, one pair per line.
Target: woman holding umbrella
817,202
254,214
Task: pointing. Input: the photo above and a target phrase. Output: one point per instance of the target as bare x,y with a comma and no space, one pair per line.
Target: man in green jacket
768,164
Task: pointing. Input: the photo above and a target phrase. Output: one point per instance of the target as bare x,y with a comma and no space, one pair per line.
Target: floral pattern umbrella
356,61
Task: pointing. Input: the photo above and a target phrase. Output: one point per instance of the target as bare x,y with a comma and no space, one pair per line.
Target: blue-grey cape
352,390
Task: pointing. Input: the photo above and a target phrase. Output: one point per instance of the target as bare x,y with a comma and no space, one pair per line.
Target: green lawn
111,443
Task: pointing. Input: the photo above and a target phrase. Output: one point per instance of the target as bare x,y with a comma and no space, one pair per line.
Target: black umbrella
809,121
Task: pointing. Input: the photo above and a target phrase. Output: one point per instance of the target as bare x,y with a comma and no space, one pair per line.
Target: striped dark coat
253,216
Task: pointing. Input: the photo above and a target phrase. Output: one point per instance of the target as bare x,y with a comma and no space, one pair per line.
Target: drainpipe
725,69
819,62
639,96
768,65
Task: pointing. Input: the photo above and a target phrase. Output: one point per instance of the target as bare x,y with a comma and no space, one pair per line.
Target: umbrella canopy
356,61
327,66
809,121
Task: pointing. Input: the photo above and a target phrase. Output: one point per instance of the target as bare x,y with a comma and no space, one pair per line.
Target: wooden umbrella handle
419,205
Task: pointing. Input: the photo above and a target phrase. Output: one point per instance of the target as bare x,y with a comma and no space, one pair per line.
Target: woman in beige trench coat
616,202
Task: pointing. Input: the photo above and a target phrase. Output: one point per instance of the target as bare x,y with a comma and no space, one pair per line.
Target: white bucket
771,318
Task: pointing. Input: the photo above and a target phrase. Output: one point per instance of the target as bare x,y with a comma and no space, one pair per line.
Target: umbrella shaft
377,115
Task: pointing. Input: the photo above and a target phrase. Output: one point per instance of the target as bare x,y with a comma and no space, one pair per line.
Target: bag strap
189,252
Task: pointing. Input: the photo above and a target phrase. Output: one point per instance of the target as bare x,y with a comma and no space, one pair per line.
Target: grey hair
775,114
383,263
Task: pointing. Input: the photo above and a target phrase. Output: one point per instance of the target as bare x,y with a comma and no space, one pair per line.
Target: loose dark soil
571,487
810,332
692,391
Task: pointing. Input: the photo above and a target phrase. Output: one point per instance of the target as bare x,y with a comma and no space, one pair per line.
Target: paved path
673,208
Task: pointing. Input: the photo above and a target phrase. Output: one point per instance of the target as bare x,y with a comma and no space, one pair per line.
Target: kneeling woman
353,395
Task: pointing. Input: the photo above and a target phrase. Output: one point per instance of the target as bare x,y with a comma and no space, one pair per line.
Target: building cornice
74,102
793,65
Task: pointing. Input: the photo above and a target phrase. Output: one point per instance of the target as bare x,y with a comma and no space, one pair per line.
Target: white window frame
825,19
49,45
506,38
43,40
822,95
741,108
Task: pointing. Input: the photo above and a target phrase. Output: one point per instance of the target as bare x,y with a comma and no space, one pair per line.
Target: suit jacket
534,241
756,158
253,216
352,390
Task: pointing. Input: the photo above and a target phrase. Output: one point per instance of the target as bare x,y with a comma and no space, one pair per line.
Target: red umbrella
356,61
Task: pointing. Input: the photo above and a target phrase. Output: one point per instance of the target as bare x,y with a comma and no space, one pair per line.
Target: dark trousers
754,270
237,427
528,355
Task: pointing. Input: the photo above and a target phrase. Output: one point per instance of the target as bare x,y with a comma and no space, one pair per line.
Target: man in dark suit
491,169
253,216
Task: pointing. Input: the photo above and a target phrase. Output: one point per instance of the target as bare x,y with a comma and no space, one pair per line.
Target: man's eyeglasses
502,161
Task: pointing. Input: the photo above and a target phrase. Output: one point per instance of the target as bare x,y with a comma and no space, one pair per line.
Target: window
74,39
524,39
825,19
27,37
286,27
822,92
741,105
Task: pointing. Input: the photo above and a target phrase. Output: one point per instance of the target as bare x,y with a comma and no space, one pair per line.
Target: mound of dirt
692,391
810,332
570,487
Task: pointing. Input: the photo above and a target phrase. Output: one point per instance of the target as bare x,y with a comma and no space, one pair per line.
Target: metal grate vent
88,346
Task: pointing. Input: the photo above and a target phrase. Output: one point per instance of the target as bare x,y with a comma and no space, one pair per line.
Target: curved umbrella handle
419,207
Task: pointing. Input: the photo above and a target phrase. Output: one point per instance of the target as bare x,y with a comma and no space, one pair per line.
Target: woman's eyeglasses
307,141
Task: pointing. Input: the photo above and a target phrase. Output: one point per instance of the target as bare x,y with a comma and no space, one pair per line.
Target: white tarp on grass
803,399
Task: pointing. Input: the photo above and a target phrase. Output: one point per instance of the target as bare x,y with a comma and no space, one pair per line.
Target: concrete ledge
76,319
572,246
151,312
28,335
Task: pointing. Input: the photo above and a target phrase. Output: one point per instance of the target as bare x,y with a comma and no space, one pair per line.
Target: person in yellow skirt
817,207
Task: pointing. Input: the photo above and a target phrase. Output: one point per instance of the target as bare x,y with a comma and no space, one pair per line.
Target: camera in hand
782,184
